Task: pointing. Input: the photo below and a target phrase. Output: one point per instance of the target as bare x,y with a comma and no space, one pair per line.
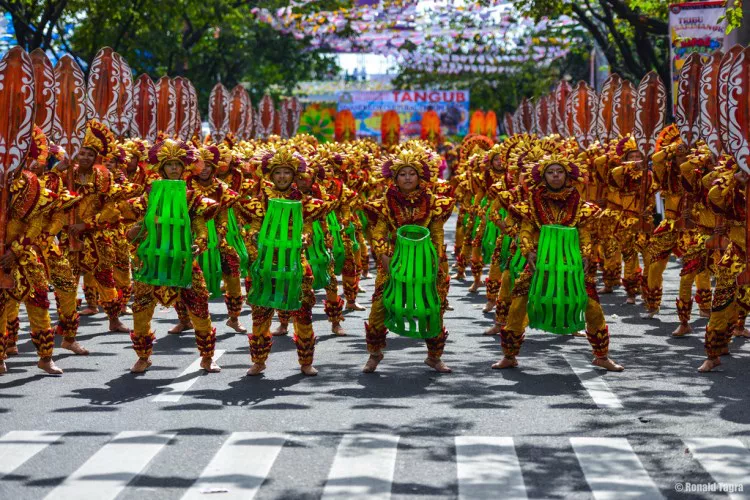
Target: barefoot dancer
554,201
407,201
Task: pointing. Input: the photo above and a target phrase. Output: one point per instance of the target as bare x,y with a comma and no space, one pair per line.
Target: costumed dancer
407,201
669,154
727,199
95,216
697,175
309,184
280,167
172,160
28,207
554,200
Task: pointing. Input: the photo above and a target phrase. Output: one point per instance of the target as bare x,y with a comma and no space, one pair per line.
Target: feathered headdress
99,138
270,159
571,169
170,149
406,158
625,145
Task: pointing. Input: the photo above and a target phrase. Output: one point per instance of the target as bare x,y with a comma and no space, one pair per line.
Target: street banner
694,27
368,108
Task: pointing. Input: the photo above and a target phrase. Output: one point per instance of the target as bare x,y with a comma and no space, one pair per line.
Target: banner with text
368,107
694,27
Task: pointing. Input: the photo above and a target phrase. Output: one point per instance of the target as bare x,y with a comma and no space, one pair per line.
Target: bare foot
489,306
234,324
337,329
126,311
737,332
256,369
681,330
705,314
605,290
449,307
506,362
74,346
354,306
366,276
117,326
495,330
709,364
630,300
281,330
607,364
141,365
437,365
361,290
650,314
209,365
49,366
460,276
11,351
89,311
308,370
474,288
579,334
3,368
180,327
372,362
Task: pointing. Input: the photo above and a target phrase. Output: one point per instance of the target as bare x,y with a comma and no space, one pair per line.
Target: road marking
239,467
106,474
16,447
612,469
593,382
363,468
727,460
174,391
488,468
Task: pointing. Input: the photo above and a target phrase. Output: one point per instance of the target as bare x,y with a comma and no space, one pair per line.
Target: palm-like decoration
317,123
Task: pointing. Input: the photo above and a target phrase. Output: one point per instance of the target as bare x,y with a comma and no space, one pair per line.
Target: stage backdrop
367,107
694,27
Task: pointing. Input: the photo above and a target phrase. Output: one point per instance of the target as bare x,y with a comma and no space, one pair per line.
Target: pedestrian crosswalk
354,466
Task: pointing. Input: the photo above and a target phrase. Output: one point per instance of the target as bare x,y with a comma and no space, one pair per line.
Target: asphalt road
553,428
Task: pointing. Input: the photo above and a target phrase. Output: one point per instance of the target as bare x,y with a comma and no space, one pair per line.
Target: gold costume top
29,205
565,208
395,209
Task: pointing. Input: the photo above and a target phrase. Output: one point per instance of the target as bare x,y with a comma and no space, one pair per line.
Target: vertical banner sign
694,27
452,106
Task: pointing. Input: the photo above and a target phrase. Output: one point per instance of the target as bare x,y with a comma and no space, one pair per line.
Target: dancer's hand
77,229
531,260
7,260
385,261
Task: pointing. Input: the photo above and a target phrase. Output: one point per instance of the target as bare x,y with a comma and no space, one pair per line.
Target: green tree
633,34
204,40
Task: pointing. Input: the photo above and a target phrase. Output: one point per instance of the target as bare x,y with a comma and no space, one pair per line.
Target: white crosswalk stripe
174,391
363,466
727,460
612,469
239,468
17,447
110,469
593,382
488,468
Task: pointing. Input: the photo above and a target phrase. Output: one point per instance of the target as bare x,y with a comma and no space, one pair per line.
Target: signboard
694,27
369,106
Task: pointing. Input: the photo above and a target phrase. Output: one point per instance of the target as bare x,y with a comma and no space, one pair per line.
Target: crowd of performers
60,235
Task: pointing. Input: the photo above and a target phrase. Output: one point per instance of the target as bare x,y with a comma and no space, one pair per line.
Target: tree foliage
204,40
632,34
